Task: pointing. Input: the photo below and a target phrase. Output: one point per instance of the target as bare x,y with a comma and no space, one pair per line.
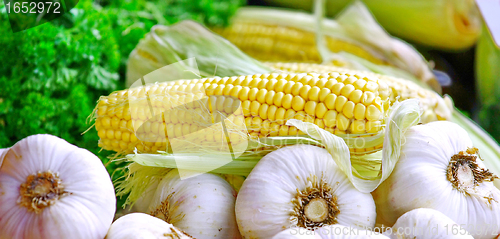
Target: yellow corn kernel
262,104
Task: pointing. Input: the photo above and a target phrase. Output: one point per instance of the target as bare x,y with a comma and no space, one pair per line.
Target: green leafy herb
52,75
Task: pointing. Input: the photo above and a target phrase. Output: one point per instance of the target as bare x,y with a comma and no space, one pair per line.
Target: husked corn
285,44
140,118
434,107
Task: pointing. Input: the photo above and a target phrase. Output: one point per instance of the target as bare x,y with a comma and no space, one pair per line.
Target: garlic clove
202,205
141,225
299,186
426,223
52,189
439,169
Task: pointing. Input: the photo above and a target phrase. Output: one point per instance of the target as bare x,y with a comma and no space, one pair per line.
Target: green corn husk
165,45
487,67
443,24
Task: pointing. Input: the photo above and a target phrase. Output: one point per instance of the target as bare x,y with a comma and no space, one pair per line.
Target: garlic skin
201,205
142,203
2,154
426,177
426,223
296,179
141,225
66,191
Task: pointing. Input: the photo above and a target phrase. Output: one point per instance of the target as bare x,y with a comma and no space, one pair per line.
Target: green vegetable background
51,76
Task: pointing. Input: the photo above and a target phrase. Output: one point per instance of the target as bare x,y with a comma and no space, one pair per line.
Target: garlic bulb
201,205
299,186
426,223
439,168
141,225
50,188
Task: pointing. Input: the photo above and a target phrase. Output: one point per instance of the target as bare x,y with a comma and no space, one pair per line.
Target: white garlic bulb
141,225
201,205
50,188
426,223
439,168
299,186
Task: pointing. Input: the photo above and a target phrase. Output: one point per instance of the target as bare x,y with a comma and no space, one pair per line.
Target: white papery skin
426,223
202,206
142,203
264,206
86,213
2,152
419,181
143,226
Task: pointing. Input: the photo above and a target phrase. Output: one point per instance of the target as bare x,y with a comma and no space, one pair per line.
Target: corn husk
487,66
179,43
443,24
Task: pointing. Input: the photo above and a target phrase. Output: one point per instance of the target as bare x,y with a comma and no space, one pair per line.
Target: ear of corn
280,35
433,106
147,117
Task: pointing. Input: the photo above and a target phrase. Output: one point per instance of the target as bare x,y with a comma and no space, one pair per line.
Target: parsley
51,76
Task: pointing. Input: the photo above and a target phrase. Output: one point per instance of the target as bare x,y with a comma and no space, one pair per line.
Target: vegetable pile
286,125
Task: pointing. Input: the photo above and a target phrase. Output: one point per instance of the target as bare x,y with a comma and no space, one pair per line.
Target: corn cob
287,44
434,107
341,103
